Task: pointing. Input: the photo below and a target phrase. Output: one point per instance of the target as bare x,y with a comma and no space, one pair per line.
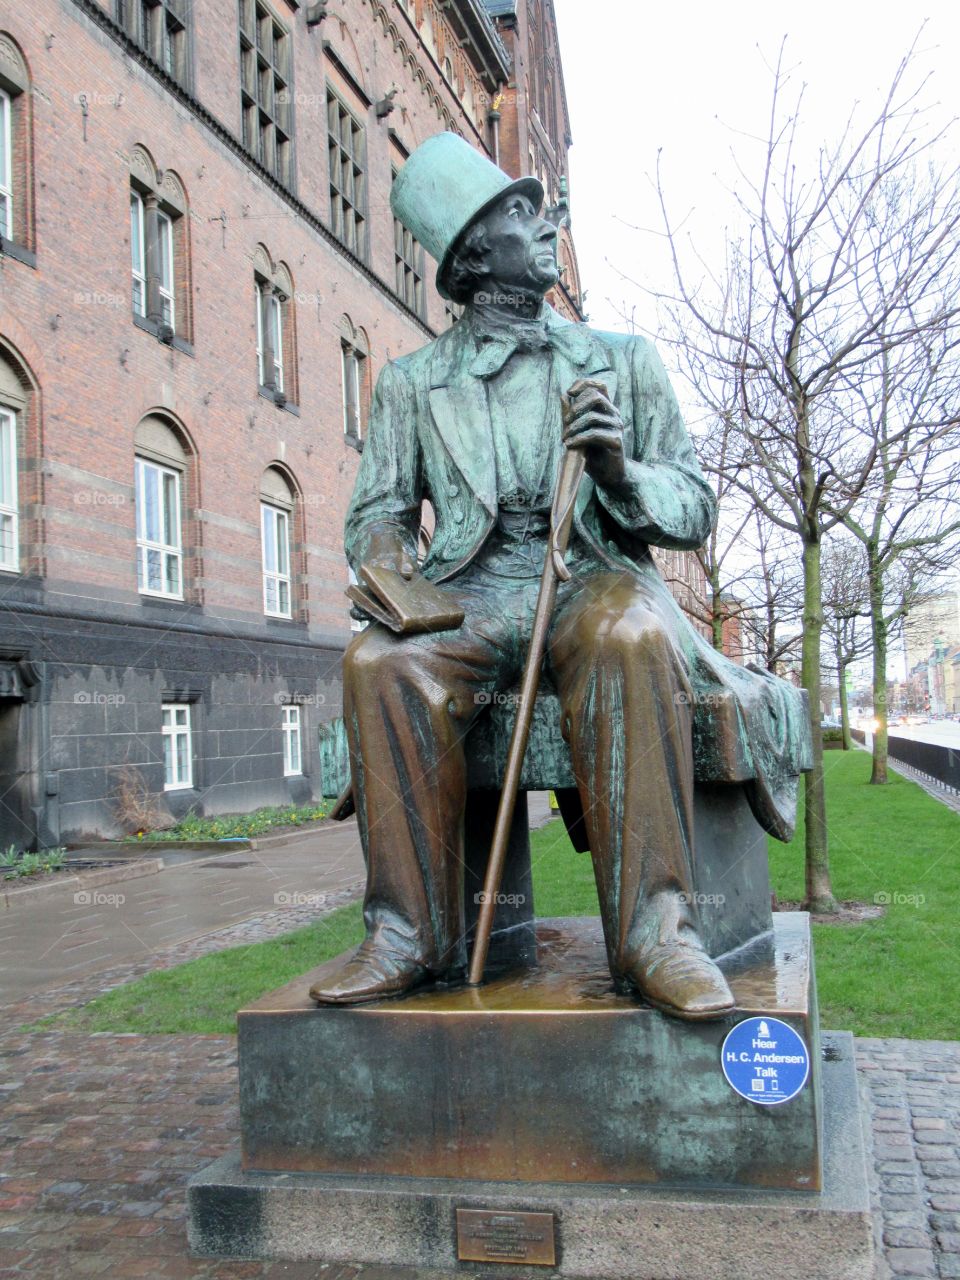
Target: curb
124,848
327,827
87,880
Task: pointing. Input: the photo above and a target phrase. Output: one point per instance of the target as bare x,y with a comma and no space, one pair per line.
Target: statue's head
482,226
510,249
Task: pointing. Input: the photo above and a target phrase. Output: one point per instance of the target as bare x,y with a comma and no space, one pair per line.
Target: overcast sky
692,80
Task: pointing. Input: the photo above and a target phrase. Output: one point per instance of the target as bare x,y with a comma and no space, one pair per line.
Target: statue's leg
408,703
627,713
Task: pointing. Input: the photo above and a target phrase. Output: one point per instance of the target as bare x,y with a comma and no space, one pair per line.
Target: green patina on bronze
637,706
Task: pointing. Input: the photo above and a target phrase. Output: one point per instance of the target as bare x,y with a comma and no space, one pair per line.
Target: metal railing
934,761
930,758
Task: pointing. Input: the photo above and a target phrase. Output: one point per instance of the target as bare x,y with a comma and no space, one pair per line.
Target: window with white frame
292,742
165,270
138,254
9,509
159,547
353,368
177,746
275,540
6,166
269,336
159,250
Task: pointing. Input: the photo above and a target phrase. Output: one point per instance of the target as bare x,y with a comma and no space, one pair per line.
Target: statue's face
521,249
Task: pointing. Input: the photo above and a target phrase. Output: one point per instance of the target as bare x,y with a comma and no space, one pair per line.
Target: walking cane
554,571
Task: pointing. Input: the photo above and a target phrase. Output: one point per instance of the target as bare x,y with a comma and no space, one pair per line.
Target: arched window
9,472
16,186
276,330
164,487
281,543
355,375
20,486
159,251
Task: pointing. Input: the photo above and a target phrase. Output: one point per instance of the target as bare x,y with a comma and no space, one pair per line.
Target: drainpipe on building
493,119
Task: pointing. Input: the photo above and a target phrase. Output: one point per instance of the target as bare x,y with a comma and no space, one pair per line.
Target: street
945,733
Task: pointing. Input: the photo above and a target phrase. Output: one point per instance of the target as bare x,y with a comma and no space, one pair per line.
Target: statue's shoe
370,974
682,980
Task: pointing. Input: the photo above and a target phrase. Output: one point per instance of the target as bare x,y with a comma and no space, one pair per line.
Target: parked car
916,719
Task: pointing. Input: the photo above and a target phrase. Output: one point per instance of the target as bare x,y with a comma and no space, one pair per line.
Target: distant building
937,618
951,680
685,576
741,632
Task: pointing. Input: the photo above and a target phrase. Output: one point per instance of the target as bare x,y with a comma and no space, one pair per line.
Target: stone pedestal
601,1231
541,1075
368,1131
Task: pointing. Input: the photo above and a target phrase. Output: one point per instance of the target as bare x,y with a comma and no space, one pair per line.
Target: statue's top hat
444,187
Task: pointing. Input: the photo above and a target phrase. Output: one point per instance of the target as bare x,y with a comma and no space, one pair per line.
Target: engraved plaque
485,1236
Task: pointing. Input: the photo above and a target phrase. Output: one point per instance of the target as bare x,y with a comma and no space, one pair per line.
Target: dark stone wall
97,708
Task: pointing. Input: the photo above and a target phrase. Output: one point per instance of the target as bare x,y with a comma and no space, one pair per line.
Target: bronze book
405,605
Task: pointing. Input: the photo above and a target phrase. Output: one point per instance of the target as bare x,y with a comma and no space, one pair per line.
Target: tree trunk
844,707
716,612
878,630
819,893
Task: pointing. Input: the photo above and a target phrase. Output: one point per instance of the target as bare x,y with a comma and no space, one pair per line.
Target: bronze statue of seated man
476,423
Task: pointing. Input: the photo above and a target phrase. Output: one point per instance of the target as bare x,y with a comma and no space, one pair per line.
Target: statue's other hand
387,552
592,422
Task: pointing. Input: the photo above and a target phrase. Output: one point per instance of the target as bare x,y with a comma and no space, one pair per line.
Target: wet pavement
100,1133
86,930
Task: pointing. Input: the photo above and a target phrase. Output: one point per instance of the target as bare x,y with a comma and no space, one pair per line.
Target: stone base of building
592,1232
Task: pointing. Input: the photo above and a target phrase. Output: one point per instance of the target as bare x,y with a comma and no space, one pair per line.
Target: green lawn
898,976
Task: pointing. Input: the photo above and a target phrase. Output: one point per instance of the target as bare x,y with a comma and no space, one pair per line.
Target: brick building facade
200,279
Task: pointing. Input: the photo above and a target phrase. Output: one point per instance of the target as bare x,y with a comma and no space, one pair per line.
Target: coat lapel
461,413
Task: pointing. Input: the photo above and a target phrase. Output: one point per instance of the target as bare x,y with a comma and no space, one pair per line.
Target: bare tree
776,584
846,615
797,315
907,518
725,570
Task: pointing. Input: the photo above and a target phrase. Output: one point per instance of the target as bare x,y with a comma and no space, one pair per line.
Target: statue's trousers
614,657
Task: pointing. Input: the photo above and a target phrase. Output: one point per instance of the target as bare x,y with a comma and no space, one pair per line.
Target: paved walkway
99,1134
119,931
52,941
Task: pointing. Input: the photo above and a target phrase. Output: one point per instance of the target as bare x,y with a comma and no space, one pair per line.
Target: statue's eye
514,213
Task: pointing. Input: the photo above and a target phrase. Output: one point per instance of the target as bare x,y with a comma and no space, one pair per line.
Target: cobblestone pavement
98,1135
258,928
913,1088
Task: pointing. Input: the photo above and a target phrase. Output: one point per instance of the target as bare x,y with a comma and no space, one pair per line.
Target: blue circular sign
765,1061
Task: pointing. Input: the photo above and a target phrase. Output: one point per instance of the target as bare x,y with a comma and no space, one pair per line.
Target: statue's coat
430,437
